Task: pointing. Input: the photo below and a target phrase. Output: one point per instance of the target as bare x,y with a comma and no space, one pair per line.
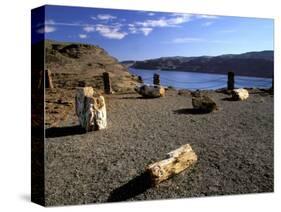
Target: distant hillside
74,62
259,64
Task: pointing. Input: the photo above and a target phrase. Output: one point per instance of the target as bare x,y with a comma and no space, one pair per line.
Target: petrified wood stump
177,161
151,91
240,94
203,103
90,109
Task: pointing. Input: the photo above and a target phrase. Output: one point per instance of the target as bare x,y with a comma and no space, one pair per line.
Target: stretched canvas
134,105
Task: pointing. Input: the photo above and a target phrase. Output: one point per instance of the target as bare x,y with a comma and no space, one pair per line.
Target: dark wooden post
156,79
140,79
81,83
106,83
48,79
230,81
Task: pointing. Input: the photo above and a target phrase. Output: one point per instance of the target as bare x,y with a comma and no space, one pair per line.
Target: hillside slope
74,62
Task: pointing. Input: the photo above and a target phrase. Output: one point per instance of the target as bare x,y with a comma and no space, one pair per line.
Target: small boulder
204,104
150,91
240,94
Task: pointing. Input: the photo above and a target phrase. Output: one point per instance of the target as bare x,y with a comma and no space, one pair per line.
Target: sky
139,35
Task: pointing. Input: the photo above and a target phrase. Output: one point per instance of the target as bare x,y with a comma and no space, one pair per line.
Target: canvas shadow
190,111
134,187
64,131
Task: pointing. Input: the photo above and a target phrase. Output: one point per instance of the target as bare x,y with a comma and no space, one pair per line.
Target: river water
193,81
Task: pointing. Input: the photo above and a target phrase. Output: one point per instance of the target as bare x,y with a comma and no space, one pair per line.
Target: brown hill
71,63
74,62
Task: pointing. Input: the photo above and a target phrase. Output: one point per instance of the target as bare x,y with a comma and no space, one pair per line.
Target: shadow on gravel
132,97
230,99
63,131
138,97
131,189
190,111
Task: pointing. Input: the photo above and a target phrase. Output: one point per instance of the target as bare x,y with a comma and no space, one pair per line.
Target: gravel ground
234,147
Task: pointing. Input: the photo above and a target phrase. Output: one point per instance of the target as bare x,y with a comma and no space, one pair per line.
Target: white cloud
83,36
180,19
49,22
151,14
133,29
175,20
89,28
111,32
206,16
209,23
146,27
105,17
146,30
46,29
188,40
55,23
153,23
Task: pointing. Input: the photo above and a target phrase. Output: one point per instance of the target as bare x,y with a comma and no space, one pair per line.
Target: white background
15,103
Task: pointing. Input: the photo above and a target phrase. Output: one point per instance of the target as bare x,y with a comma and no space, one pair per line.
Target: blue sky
137,35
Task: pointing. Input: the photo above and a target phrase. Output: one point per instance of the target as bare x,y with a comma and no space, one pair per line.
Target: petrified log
240,94
151,91
177,161
204,104
90,109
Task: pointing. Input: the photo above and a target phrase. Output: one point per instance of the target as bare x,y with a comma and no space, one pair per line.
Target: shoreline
198,72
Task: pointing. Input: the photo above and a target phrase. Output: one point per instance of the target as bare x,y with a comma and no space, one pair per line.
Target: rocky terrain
258,64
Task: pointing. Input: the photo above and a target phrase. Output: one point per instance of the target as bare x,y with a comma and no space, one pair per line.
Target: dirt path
234,147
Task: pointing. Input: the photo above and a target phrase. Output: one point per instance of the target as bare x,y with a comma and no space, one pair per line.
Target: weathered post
81,84
107,83
156,79
140,79
48,79
230,81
